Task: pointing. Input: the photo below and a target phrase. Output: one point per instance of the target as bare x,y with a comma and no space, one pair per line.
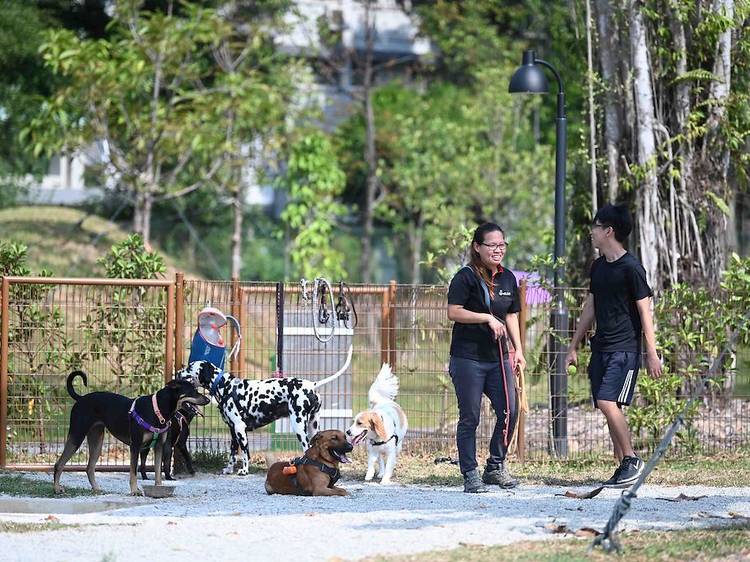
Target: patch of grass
19,485
717,470
208,461
703,544
68,241
17,527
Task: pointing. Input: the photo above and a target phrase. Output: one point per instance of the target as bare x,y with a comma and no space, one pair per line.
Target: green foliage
130,259
138,90
24,82
693,326
657,405
125,327
38,343
314,182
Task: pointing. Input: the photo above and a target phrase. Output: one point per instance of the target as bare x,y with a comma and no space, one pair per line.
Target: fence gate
119,331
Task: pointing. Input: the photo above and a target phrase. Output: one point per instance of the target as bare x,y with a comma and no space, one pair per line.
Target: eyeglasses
493,247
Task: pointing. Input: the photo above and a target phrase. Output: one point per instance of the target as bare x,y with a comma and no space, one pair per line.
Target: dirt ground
231,518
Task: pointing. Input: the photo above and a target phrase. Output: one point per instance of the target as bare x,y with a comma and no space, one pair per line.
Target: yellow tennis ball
572,369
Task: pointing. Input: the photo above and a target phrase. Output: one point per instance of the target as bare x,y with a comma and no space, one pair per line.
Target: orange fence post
179,320
234,311
241,315
385,322
392,325
170,334
4,373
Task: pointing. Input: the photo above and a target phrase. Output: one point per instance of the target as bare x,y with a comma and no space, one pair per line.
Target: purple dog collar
144,424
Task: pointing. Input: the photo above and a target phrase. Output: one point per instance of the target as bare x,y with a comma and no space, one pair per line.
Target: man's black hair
618,217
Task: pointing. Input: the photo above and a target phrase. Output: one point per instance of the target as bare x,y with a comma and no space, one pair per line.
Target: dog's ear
376,424
315,441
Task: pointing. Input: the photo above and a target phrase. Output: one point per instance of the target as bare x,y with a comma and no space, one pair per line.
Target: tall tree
134,93
247,102
688,126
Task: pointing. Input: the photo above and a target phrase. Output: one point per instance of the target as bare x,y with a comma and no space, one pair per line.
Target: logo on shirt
502,293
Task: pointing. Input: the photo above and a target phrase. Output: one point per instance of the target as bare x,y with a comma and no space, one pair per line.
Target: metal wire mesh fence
131,335
119,332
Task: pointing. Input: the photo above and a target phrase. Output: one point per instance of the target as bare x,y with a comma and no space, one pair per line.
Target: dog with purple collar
140,423
179,432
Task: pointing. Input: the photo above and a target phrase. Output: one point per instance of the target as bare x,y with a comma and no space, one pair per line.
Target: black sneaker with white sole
629,471
613,479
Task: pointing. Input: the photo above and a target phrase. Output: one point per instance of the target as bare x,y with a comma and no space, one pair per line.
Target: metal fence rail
130,336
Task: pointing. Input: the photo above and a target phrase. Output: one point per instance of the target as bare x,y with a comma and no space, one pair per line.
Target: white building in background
396,42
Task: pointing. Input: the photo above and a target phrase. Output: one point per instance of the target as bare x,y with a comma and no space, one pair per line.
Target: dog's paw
386,482
242,472
136,492
59,490
369,476
227,471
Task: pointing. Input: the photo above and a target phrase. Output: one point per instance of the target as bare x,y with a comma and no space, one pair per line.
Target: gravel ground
231,518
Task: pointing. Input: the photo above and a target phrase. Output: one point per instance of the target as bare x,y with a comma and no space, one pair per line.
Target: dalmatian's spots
246,405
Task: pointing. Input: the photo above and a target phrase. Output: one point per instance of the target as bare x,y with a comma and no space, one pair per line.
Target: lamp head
528,78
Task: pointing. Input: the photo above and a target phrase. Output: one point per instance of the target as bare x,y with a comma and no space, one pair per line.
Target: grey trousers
471,379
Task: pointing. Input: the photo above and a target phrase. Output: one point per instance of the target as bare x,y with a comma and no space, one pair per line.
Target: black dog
134,422
179,432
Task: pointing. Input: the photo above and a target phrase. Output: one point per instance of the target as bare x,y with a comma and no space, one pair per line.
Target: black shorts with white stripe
613,376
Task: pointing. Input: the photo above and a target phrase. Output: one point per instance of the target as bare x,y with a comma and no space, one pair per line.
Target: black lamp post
529,79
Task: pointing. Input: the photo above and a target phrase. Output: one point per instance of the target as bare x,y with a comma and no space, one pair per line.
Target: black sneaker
613,480
628,472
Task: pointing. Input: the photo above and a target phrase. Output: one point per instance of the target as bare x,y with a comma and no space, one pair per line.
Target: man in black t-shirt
620,301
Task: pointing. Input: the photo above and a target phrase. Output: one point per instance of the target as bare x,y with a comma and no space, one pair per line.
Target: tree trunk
647,196
592,111
715,154
612,115
370,153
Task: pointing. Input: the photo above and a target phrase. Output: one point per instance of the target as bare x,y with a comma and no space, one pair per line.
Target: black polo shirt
616,286
476,341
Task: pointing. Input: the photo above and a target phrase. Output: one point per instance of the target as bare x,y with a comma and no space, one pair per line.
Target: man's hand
497,327
653,364
520,361
571,358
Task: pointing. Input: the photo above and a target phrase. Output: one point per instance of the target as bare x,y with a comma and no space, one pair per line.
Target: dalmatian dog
246,405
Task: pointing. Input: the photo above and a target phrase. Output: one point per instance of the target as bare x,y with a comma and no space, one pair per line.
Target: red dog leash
506,430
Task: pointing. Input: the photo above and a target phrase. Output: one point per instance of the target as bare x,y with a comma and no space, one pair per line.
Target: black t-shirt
475,341
616,287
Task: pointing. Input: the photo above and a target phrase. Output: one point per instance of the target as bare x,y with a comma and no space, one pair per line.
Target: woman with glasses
483,303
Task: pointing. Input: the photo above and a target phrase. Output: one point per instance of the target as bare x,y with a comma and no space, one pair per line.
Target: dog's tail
338,373
385,386
72,391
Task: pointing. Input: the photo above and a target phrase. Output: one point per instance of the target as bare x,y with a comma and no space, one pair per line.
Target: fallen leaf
557,528
52,519
682,498
171,523
470,545
735,515
582,495
587,532
310,514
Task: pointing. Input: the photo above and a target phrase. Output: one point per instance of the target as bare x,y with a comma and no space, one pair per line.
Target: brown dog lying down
316,472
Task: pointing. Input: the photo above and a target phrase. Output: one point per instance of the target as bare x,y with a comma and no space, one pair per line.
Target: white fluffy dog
384,425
